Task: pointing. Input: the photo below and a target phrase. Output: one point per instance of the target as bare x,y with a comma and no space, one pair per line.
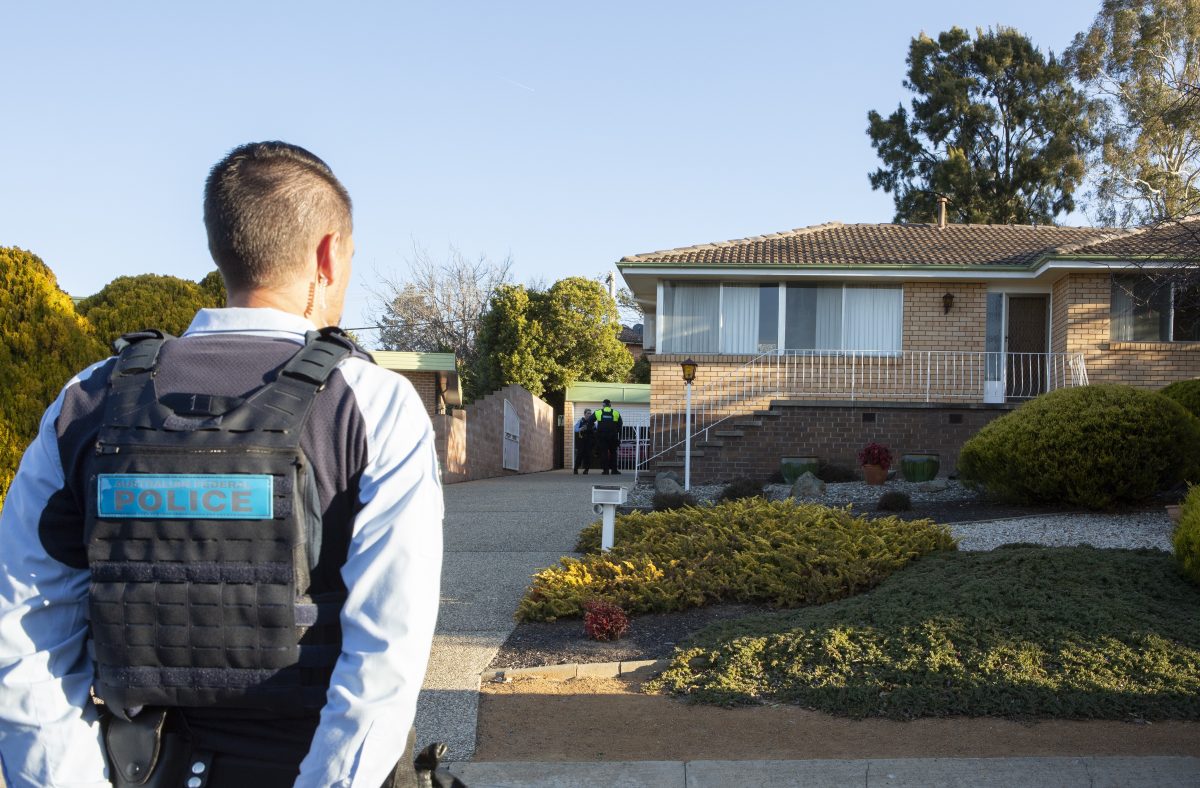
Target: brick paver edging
576,670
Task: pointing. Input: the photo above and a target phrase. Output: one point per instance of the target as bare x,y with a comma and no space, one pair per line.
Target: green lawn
1019,631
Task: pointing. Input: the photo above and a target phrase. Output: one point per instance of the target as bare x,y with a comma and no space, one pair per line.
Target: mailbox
605,493
605,500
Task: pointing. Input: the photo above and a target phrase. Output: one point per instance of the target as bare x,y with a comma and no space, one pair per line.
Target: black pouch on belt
145,751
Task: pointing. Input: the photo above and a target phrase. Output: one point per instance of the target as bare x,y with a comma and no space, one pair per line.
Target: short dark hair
265,204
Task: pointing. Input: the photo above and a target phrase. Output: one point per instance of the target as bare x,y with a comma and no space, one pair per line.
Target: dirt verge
610,720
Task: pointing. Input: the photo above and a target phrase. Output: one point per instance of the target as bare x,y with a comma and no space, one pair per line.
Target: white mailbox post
605,500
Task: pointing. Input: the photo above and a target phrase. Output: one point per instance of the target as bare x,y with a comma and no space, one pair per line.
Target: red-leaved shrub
604,620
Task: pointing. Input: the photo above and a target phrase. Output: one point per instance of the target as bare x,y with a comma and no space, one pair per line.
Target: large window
844,317
1146,309
749,318
737,318
713,318
692,318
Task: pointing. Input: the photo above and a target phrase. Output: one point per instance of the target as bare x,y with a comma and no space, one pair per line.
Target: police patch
186,496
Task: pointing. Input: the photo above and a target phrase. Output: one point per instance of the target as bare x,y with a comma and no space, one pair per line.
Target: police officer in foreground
608,435
233,538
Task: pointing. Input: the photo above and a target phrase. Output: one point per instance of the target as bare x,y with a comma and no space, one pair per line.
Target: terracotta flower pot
874,474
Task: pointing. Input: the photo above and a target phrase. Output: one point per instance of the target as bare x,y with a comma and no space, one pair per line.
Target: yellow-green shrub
43,342
779,553
132,303
1094,446
1186,539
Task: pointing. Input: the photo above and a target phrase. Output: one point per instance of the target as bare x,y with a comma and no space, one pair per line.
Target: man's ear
328,251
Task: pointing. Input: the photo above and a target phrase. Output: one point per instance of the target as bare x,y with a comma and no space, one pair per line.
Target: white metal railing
852,375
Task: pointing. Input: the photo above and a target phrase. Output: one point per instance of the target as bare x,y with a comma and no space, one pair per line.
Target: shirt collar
261,322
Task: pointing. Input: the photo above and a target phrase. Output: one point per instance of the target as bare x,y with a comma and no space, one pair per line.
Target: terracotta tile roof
835,243
1179,239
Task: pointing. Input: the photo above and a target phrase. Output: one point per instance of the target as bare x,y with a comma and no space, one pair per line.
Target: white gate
512,438
634,440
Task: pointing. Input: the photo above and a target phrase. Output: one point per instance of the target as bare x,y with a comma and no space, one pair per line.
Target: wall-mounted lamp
947,302
689,370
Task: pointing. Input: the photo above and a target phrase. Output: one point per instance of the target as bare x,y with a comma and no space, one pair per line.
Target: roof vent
941,201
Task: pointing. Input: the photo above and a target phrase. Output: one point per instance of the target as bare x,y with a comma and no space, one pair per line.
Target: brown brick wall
470,441
1081,325
426,385
835,433
927,325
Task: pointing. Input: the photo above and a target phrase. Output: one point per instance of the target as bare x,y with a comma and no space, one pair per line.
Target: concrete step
748,423
668,464
707,445
729,433
771,414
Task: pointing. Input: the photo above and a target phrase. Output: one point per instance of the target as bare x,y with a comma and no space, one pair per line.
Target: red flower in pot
875,459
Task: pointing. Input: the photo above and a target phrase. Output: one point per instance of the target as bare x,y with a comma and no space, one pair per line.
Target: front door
1026,346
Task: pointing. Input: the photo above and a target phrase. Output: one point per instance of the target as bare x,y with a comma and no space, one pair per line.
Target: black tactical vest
203,524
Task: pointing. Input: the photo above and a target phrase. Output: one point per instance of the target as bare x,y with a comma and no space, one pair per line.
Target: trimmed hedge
1186,393
779,553
1186,538
1095,446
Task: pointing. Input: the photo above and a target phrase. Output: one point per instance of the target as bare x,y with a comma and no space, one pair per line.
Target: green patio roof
401,361
617,392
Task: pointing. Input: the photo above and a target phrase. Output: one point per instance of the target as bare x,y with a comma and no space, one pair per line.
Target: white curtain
739,319
828,319
691,321
872,319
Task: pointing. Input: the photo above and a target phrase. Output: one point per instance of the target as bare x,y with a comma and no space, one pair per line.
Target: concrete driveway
498,532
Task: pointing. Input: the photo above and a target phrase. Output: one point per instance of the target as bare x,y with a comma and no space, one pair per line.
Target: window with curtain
1145,309
691,320
749,318
841,317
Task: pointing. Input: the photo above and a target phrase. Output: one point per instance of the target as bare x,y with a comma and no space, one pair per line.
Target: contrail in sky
518,84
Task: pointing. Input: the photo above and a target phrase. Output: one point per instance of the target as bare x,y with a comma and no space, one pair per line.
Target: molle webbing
195,611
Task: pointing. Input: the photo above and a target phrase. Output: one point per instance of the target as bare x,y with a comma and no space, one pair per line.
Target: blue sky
563,134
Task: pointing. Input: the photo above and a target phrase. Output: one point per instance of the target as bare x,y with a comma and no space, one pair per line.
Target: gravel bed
836,494
1136,530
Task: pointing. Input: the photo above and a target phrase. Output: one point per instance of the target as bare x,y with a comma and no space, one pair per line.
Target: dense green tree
213,286
995,127
132,303
1140,59
43,342
640,372
545,340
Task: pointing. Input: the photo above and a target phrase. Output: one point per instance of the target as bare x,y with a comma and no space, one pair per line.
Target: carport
631,399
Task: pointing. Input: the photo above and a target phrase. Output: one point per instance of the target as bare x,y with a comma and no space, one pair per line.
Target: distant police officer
232,538
585,432
608,435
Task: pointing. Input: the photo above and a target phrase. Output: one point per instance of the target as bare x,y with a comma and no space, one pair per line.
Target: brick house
913,334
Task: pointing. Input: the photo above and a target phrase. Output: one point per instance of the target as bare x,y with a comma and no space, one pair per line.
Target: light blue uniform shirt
49,732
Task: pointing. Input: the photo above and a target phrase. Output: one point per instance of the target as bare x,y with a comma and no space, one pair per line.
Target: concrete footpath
498,532
1160,772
